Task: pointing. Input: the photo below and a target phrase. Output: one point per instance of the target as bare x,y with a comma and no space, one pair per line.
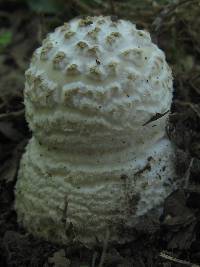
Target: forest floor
174,239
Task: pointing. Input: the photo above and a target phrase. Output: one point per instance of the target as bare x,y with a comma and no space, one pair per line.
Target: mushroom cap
97,97
101,78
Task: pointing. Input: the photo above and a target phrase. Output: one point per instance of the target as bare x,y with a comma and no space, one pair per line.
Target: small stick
170,258
9,115
112,7
105,245
187,174
94,257
190,105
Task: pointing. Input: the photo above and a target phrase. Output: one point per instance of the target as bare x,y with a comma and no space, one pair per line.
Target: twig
187,174
94,257
10,115
2,105
41,28
193,107
194,87
84,8
190,105
170,258
193,189
105,245
4,14
167,12
112,7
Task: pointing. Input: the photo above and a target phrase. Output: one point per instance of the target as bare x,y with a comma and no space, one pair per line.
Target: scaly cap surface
101,76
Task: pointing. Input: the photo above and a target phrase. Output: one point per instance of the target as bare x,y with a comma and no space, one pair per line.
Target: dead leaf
176,213
59,259
8,130
8,170
179,221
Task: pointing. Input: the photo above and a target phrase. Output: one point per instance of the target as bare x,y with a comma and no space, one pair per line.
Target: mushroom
97,97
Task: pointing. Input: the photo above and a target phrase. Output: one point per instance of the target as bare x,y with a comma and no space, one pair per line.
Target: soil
174,238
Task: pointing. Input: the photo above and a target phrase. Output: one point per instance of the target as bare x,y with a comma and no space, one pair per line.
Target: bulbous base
64,199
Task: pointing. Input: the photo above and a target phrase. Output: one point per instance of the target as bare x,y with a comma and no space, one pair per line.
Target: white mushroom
97,97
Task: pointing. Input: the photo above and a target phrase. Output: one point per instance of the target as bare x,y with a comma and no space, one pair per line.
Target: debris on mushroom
97,99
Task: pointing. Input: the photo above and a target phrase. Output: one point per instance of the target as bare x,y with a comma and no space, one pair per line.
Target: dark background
173,239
